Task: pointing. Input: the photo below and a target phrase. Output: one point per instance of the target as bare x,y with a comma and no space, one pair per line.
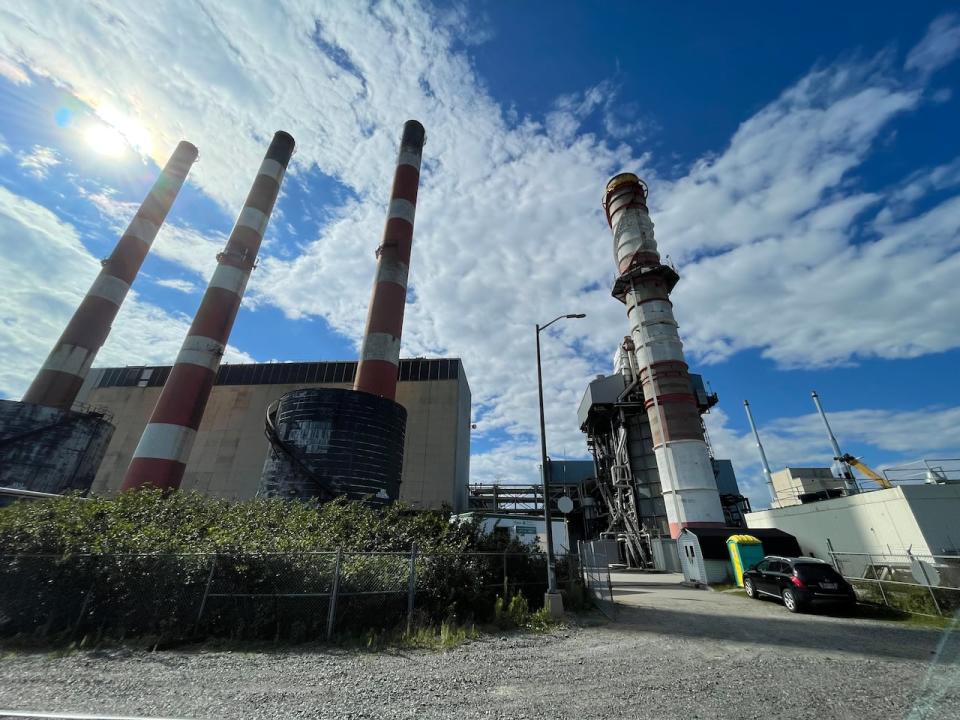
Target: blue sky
804,170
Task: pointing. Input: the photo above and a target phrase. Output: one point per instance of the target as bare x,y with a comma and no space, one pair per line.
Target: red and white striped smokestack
644,285
380,353
60,378
161,456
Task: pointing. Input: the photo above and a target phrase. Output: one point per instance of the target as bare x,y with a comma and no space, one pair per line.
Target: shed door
692,565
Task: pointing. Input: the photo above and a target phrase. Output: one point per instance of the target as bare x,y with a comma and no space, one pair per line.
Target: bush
139,564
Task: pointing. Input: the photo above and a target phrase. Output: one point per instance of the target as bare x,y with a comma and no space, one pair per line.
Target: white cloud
45,273
184,286
13,72
509,232
178,243
939,47
39,161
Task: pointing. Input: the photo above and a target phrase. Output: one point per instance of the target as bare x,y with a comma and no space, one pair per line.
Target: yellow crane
873,475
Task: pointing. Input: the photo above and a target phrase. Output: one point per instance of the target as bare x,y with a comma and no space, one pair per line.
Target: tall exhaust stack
361,454
380,353
161,456
644,285
66,367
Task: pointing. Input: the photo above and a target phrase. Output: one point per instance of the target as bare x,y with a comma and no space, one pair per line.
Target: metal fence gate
594,565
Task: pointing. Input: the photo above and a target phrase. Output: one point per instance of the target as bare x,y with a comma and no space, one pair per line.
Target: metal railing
300,596
931,470
910,582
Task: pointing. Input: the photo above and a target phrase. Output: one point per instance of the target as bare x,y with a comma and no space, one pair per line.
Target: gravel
675,654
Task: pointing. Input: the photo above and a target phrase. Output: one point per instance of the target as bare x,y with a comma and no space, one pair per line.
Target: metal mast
763,456
845,470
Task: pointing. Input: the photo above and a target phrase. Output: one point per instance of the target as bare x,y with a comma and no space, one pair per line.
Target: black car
799,582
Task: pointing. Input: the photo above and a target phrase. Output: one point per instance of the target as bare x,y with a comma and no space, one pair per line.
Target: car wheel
749,589
790,601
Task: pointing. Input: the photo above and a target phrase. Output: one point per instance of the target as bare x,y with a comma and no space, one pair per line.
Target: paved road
675,653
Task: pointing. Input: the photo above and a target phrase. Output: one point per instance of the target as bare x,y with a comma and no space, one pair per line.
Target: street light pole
553,601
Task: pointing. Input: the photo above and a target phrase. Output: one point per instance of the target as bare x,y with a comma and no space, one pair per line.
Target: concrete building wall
49,450
919,517
937,512
230,449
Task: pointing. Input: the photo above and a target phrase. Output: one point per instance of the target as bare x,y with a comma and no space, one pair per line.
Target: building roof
713,541
284,373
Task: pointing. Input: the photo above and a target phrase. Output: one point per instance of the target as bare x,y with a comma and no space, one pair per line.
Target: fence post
411,585
883,595
335,587
83,609
926,579
206,591
506,584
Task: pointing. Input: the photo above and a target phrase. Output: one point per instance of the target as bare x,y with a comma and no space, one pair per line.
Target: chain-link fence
594,563
298,596
909,582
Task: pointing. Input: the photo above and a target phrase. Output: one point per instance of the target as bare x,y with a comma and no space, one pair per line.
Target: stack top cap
625,179
414,135
281,147
187,148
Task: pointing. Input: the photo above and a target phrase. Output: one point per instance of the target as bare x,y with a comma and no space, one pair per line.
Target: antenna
845,470
763,456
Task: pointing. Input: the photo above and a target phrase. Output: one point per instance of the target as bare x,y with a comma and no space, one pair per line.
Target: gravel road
674,653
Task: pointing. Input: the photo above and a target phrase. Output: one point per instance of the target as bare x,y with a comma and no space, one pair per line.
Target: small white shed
696,568
705,559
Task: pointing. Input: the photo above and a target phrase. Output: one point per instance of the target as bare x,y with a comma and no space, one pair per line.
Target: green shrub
139,564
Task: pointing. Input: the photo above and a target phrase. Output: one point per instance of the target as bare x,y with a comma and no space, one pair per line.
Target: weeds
516,614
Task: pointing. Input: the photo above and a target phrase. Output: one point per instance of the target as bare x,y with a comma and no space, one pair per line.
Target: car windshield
816,572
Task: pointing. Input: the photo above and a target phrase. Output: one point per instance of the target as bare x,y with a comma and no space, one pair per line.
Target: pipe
161,456
66,367
845,469
643,285
380,352
763,456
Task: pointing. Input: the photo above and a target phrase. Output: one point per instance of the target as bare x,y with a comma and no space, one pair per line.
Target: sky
804,174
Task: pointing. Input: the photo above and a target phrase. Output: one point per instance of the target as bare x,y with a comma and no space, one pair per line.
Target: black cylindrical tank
332,442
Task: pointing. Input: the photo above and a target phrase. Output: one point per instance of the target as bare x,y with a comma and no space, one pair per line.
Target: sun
106,140
113,134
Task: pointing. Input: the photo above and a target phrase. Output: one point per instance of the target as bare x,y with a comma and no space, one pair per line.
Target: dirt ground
674,652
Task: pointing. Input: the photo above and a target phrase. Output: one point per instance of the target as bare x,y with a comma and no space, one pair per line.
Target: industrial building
525,529
374,430
231,447
793,486
921,518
